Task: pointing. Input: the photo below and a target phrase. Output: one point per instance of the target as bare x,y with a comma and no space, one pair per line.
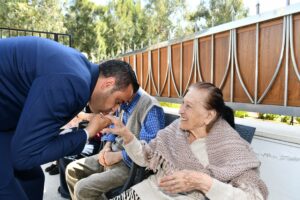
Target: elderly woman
198,156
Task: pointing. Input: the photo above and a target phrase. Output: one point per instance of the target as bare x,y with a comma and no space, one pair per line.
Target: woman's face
193,114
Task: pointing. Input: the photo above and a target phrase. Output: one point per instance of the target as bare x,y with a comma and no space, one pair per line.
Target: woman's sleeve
135,151
224,191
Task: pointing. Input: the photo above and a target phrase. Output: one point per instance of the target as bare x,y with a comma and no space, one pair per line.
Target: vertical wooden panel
163,71
131,61
176,69
221,51
155,71
294,83
146,84
187,62
126,59
270,47
246,38
139,68
205,57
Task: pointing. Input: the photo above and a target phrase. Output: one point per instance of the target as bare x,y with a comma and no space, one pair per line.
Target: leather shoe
54,171
63,193
52,166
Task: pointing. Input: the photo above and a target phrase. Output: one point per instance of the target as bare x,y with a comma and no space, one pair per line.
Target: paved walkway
51,185
273,130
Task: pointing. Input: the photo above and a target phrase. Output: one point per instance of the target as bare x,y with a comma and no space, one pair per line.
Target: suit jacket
43,85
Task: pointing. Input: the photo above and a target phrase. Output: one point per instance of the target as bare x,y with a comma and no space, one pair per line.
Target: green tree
225,11
43,15
197,18
80,20
218,12
121,27
160,14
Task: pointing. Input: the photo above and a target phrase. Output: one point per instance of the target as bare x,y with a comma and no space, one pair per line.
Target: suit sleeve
51,102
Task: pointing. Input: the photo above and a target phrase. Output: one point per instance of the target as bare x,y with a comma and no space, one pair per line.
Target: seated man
89,178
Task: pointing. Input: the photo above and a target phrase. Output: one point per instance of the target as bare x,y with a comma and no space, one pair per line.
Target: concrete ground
51,185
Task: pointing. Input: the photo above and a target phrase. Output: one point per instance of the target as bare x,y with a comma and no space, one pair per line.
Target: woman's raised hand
118,129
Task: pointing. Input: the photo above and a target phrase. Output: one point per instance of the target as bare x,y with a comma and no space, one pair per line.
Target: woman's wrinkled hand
185,181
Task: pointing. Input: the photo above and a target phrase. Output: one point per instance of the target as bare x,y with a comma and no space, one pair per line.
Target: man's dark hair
122,72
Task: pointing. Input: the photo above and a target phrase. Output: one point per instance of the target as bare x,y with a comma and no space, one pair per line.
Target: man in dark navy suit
43,85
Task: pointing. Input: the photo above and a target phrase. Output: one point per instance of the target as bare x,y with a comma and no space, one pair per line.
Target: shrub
261,116
240,114
271,116
268,116
285,119
169,105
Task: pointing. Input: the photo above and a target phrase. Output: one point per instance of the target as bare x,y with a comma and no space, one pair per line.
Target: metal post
56,37
232,13
70,40
257,7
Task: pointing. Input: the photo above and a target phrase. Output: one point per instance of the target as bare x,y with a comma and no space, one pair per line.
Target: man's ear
108,82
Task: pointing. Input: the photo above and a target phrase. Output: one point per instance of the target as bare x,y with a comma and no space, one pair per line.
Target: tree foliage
218,12
122,27
80,20
103,31
225,11
159,14
43,15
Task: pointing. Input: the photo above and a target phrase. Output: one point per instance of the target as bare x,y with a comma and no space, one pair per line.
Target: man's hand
101,157
106,148
112,158
85,116
96,124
